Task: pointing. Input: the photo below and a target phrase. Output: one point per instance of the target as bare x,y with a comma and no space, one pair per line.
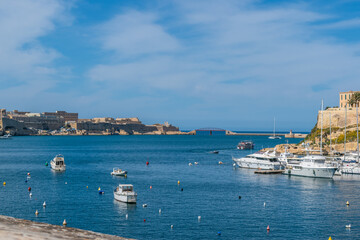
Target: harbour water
296,207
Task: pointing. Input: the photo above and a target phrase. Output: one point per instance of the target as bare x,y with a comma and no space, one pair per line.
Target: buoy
46,164
160,211
330,238
239,197
30,194
190,164
4,183
101,192
147,163
234,164
182,189
144,220
150,187
25,180
99,189
268,228
144,205
199,218
172,226
29,188
65,182
347,203
264,204
125,175
219,233
348,226
36,212
64,222
87,186
28,174
196,163
44,204
178,182
220,162
126,216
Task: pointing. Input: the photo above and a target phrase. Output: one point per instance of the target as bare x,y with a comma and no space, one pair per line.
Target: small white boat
118,172
125,193
58,163
274,136
6,136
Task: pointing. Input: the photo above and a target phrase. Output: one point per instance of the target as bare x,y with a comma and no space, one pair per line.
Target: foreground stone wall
337,116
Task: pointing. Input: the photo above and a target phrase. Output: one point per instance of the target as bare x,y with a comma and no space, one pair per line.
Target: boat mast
274,126
330,130
357,130
345,131
322,110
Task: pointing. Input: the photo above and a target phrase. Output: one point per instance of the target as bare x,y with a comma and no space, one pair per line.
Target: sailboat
350,164
274,136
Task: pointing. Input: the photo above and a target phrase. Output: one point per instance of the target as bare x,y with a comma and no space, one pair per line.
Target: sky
226,64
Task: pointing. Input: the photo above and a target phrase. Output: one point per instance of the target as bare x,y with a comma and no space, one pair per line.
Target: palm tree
355,99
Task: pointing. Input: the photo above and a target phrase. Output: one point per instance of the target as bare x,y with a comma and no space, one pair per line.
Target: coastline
15,228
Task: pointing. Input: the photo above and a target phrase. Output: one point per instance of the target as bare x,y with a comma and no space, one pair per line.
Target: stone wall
337,117
15,127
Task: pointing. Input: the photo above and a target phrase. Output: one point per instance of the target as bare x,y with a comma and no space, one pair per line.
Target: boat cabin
125,188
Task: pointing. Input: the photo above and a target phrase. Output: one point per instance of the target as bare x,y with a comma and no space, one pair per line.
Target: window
341,97
345,97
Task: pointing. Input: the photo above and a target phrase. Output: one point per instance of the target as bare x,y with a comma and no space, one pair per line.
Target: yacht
311,166
287,157
125,193
274,135
260,160
6,136
58,163
246,145
118,172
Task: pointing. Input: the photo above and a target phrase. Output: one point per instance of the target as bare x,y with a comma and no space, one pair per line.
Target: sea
232,203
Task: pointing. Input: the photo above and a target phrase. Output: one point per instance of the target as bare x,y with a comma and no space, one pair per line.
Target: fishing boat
118,172
274,135
58,163
125,193
246,145
260,160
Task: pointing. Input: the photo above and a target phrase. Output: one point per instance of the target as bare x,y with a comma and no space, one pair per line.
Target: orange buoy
150,187
29,189
268,228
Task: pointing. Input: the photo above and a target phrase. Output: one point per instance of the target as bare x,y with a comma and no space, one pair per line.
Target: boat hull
350,170
257,164
58,168
311,172
126,198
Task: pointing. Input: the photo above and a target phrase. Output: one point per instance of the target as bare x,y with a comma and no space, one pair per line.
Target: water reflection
124,208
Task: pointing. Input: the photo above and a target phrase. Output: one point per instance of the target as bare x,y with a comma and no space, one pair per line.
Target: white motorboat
311,166
125,193
6,136
118,172
260,160
58,163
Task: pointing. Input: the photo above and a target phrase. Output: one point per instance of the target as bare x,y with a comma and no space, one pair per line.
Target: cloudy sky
228,64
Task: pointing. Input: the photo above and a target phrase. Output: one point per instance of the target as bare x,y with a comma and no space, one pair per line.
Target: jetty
14,228
268,171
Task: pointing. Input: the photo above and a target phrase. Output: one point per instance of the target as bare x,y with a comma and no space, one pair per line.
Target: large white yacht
260,160
311,166
58,163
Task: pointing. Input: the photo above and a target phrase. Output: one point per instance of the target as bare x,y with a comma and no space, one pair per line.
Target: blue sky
228,64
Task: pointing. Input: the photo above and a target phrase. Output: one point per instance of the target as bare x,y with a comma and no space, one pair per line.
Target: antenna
322,110
330,130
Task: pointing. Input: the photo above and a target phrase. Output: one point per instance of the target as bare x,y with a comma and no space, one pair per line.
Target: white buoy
234,164
65,182
348,226
160,211
199,218
196,163
144,205
64,222
264,204
126,216
30,194
172,226
36,212
190,164
44,204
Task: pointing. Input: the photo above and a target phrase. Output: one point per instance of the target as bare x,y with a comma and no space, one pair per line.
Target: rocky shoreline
14,228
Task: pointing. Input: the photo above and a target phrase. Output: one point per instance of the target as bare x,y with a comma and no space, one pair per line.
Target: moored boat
125,193
260,160
58,163
245,145
118,172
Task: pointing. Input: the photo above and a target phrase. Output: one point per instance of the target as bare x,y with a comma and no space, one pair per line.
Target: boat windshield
127,188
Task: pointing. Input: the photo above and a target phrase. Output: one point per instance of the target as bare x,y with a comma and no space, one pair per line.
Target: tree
355,99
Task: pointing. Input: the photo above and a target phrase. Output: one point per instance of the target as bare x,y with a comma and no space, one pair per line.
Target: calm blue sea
296,208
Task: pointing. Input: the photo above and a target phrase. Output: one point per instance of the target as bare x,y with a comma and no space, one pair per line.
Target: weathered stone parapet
337,116
13,228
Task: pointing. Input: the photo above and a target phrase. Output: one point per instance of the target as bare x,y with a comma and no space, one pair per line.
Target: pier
268,171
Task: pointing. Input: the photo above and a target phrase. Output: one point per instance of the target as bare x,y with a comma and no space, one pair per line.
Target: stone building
344,97
68,117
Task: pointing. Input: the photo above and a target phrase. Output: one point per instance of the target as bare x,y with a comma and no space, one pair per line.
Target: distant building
210,131
344,97
68,117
